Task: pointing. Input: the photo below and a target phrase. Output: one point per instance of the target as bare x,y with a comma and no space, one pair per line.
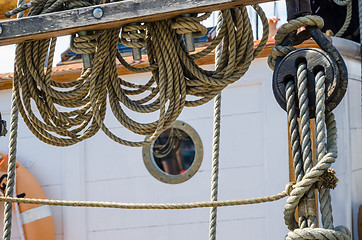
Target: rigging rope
326,155
216,141
176,80
271,198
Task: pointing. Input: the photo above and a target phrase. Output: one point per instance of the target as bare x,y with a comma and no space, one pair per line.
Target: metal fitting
189,38
98,13
136,52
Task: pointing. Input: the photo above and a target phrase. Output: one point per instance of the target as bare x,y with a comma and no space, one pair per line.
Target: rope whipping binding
308,176
73,111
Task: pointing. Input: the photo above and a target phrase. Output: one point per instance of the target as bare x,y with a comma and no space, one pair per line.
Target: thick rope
272,198
326,154
8,208
287,28
305,218
11,169
348,18
176,80
216,141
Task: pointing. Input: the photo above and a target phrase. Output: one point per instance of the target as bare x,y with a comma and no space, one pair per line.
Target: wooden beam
114,15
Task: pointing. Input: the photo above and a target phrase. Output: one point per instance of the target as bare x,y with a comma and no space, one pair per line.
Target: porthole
176,155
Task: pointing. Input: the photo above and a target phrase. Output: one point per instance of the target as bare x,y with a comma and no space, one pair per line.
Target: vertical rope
216,140
305,221
11,168
324,193
294,131
8,208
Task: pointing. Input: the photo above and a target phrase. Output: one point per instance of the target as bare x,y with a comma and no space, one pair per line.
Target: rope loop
342,2
188,24
176,81
133,35
338,233
295,24
290,28
86,44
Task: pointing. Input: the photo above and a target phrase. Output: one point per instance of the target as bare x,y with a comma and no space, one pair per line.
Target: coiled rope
74,111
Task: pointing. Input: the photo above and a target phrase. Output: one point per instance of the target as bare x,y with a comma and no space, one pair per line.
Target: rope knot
287,28
289,188
133,35
185,24
338,233
86,44
329,179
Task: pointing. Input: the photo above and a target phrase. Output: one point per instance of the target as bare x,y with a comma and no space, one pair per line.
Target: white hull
253,162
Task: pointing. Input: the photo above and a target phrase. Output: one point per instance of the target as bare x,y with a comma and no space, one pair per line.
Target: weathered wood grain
114,15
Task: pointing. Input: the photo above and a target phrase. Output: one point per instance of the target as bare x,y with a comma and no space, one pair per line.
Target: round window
176,155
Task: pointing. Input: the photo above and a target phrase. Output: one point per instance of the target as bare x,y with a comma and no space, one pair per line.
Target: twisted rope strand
216,141
271,198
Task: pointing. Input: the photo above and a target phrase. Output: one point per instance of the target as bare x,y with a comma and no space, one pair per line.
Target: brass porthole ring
174,147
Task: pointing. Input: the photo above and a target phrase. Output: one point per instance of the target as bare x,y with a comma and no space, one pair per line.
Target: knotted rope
348,18
291,27
326,155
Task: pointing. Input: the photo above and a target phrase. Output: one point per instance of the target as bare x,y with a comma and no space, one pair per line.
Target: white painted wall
253,162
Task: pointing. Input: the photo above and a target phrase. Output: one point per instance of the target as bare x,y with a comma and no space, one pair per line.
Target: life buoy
37,222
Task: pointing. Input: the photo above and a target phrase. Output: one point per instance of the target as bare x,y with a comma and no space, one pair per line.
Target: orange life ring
36,220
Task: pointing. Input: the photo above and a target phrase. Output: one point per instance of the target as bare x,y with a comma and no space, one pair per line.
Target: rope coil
176,81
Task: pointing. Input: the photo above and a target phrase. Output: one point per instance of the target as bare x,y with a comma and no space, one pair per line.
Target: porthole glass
176,155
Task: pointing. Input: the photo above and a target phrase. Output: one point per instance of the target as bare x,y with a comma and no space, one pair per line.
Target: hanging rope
11,171
348,18
176,80
216,141
326,155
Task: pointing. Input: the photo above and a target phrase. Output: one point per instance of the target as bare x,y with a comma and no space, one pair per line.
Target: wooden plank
114,15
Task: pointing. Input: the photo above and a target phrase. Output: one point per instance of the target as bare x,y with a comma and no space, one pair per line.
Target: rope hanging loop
315,60
285,40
